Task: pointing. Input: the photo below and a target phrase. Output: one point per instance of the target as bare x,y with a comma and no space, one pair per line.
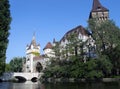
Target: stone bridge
21,76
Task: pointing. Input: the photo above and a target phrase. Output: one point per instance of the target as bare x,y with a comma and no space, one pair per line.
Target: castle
35,62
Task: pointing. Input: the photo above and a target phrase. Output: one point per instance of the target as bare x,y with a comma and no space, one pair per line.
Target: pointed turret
98,11
98,7
33,42
54,40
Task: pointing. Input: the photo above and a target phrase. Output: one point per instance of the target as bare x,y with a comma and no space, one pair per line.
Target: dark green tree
104,65
91,70
106,36
16,64
7,68
5,20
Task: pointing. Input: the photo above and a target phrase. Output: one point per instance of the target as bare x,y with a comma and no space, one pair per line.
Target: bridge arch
20,78
34,79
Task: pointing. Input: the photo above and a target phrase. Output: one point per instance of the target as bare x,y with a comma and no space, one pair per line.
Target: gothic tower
31,51
98,11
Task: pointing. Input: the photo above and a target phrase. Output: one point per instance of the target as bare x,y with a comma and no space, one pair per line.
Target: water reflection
90,85
26,85
38,85
4,85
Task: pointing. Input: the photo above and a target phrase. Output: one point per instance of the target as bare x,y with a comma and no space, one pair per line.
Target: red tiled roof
48,46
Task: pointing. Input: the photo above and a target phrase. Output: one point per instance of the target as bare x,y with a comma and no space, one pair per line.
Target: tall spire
97,6
33,40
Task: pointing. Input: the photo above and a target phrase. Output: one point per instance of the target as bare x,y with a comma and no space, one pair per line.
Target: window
28,59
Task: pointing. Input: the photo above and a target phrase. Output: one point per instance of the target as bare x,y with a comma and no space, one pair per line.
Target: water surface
38,85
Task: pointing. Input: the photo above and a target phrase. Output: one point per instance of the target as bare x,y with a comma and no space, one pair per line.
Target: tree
7,68
74,44
115,59
5,20
104,65
106,36
92,71
16,64
56,50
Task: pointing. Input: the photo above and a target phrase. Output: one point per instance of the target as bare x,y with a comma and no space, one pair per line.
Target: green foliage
77,69
106,36
90,69
105,65
56,50
114,56
7,68
5,20
16,64
74,44
94,74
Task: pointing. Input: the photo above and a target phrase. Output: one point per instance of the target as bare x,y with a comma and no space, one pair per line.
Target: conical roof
33,42
48,46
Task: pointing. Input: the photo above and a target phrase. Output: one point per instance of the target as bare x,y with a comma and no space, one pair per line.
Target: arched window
39,67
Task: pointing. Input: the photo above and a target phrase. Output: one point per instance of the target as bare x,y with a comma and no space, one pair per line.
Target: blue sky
49,19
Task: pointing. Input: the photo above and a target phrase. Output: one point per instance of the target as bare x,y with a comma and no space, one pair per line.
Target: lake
38,85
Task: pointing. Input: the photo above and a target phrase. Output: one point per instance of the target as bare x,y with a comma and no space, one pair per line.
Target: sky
49,19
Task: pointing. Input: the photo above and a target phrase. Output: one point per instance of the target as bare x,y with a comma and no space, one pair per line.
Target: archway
34,79
20,79
39,67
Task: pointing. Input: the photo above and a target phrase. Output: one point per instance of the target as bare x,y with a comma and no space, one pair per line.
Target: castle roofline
48,46
78,29
98,7
33,43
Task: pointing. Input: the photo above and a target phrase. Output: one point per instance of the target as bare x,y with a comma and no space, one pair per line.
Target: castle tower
48,50
98,11
31,51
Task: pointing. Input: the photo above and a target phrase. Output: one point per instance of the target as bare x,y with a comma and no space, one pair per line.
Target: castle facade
35,62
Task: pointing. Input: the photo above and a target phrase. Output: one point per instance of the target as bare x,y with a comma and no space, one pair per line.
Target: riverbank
9,80
50,80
